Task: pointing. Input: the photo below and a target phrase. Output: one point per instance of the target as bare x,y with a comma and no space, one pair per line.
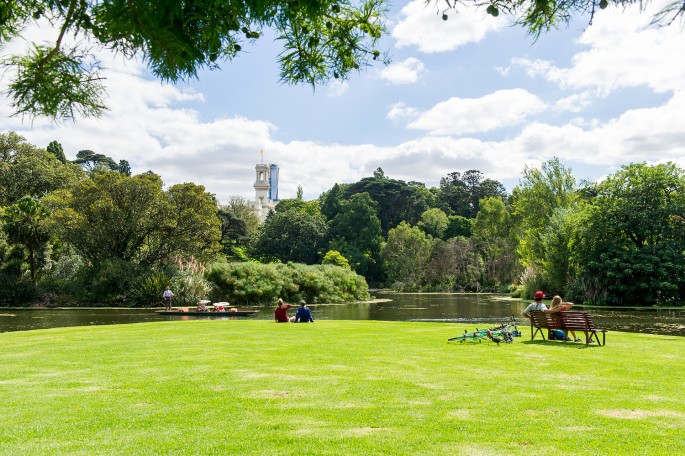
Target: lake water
448,308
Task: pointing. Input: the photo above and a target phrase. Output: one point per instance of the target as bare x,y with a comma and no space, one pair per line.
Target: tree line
87,231
616,242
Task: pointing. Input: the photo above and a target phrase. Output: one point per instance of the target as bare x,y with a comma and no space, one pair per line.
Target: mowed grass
334,387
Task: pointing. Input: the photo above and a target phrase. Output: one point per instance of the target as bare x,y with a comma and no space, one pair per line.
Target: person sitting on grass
281,312
559,306
303,314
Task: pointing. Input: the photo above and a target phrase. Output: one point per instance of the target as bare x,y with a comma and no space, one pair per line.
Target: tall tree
25,223
132,219
396,200
195,229
460,194
492,231
124,167
405,254
291,235
434,222
458,226
28,170
633,238
331,200
356,233
454,265
55,149
95,162
238,224
539,193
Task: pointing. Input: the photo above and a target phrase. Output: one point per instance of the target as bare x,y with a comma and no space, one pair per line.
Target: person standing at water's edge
303,314
537,305
168,294
281,312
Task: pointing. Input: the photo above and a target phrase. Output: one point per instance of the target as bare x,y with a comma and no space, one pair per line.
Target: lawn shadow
562,344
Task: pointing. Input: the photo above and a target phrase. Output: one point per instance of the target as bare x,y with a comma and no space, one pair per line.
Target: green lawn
335,387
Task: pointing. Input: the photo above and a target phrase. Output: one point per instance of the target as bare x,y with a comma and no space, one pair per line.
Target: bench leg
534,332
604,335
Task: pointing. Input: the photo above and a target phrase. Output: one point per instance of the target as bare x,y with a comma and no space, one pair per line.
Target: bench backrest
540,319
576,320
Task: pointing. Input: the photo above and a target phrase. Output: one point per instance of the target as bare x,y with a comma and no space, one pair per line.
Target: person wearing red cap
537,305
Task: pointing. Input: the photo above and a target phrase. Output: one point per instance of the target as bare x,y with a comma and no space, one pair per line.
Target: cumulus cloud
152,125
422,27
404,72
623,50
459,116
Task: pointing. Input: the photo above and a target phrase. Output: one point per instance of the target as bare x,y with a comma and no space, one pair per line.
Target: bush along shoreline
255,283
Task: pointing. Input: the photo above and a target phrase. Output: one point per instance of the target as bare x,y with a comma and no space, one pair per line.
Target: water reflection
457,308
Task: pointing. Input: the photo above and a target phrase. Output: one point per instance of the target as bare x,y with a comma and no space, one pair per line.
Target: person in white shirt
537,305
168,294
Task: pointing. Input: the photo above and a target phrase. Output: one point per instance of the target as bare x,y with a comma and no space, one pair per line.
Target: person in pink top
559,306
281,313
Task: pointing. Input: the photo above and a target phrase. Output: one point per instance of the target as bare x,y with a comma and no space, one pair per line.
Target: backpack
557,334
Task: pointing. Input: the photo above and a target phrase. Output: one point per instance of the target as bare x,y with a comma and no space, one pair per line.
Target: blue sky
472,92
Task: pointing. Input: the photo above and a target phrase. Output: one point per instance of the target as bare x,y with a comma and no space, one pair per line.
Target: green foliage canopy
633,237
540,192
291,235
116,217
396,200
321,40
29,170
405,255
356,233
25,223
539,16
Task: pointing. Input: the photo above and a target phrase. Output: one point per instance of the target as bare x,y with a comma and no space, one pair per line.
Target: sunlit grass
334,387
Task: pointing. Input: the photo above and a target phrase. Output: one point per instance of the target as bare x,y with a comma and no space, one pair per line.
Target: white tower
262,184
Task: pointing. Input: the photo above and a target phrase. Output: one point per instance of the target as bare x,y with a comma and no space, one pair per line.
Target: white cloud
423,27
623,51
645,134
337,88
576,102
503,71
400,110
404,72
151,125
459,116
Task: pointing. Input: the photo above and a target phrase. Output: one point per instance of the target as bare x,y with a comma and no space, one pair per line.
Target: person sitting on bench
537,305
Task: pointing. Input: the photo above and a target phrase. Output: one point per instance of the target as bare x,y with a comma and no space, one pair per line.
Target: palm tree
24,223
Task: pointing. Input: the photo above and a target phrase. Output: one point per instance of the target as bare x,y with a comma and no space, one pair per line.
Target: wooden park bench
566,321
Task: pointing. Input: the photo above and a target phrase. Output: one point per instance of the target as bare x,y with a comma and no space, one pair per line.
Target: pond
437,307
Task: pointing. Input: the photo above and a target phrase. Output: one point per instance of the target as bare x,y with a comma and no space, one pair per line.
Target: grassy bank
334,387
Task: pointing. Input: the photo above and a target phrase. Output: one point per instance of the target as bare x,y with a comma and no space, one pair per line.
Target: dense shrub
147,291
16,291
252,283
106,283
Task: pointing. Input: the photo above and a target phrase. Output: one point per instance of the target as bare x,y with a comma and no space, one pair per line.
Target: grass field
335,387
